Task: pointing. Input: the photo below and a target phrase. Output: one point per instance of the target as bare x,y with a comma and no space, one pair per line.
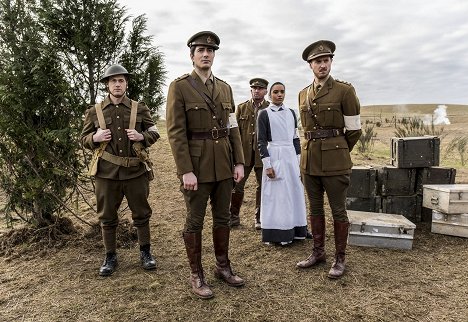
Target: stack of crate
449,204
398,188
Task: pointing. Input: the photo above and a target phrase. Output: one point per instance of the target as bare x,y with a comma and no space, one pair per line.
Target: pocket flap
334,143
196,106
227,106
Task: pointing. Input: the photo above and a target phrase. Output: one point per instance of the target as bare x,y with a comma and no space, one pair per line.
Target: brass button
120,151
214,116
216,141
120,139
314,104
253,132
196,107
118,116
328,108
313,140
118,128
117,105
337,146
315,127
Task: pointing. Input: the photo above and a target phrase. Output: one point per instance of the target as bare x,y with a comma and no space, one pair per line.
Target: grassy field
60,282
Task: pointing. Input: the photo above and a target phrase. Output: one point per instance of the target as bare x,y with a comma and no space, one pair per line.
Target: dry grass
428,283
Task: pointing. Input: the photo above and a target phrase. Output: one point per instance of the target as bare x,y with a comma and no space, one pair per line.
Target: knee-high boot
197,278
341,239
223,268
318,235
236,203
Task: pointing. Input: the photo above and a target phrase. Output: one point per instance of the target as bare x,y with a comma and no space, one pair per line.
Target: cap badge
320,48
209,40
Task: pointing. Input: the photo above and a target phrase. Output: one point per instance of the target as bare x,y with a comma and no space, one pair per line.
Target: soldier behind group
331,122
121,168
207,149
246,115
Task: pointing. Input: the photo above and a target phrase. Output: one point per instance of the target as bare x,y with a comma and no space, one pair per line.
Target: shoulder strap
133,115
100,115
208,101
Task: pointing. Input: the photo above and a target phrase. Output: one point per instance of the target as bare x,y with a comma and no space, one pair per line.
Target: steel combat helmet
114,70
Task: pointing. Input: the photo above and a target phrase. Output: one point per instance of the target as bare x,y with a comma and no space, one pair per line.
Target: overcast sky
392,51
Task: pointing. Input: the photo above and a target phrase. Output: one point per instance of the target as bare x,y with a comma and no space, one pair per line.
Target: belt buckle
213,134
126,162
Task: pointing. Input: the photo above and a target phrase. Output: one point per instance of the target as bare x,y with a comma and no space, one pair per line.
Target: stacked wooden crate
398,188
449,204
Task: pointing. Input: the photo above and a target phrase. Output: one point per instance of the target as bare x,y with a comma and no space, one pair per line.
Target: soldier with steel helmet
119,130
207,149
330,117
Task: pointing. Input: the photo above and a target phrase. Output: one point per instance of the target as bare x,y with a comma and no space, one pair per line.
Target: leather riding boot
109,265
236,203
223,268
258,199
341,239
147,260
318,235
197,278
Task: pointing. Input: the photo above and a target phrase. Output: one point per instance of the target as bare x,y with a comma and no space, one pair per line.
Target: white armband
232,121
352,122
153,129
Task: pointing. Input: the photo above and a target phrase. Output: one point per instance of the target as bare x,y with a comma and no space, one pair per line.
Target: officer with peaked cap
246,114
207,149
330,117
119,171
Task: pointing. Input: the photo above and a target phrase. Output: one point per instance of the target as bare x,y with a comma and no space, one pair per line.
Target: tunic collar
125,101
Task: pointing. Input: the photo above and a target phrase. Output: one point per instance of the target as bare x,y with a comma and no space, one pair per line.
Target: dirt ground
427,283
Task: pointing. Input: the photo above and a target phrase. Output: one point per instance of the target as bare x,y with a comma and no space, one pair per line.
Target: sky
392,51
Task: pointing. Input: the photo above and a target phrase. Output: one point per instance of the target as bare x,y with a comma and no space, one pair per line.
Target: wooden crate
446,224
446,198
415,152
380,230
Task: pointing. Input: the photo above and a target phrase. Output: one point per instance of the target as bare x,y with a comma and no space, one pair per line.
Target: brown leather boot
258,200
197,278
341,239
318,235
223,268
236,203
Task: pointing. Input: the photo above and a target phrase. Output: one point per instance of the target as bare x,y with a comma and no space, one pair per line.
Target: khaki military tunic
117,118
211,160
335,106
113,182
246,115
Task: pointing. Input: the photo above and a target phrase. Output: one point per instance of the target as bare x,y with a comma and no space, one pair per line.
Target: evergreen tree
88,35
146,64
38,125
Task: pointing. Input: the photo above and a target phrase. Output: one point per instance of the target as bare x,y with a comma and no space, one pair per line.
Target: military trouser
196,201
239,187
109,196
336,188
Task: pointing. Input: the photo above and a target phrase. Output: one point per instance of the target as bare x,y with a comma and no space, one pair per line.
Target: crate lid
379,219
447,187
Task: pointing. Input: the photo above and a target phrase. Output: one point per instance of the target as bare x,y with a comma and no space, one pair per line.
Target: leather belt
323,133
122,161
212,134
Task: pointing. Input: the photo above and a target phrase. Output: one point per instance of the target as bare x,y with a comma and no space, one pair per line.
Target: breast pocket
107,120
138,121
330,115
198,115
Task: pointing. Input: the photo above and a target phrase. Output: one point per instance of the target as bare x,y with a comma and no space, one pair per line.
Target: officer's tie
317,88
209,85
